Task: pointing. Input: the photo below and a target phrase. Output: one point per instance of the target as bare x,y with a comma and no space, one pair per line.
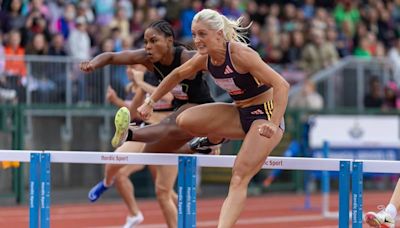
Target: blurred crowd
299,37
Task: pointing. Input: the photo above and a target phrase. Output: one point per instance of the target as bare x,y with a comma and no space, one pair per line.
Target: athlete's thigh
166,144
166,176
255,149
171,118
130,147
157,117
219,119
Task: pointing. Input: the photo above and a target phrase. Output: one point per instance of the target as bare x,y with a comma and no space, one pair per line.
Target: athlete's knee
163,193
184,121
120,177
240,176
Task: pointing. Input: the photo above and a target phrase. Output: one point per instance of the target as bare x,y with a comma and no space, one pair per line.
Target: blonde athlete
260,98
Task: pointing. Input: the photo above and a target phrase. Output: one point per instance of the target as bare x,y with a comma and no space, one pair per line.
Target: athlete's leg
214,120
252,155
395,199
386,217
166,196
223,120
167,127
153,170
165,179
126,188
112,169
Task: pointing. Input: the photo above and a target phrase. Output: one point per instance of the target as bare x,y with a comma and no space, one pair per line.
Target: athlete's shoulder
242,55
239,48
187,54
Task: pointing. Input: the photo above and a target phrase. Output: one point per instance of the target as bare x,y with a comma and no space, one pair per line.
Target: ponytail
232,29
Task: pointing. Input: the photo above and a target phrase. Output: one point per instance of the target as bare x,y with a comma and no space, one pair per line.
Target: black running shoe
203,145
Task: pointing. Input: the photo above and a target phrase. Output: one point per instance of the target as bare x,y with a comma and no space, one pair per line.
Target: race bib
179,93
229,85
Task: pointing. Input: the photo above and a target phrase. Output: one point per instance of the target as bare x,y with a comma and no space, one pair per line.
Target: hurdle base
333,214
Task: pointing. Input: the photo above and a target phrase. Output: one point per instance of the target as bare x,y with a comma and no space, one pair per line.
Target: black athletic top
160,105
239,86
189,90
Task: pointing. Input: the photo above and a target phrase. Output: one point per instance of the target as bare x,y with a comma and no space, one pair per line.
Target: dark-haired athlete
161,56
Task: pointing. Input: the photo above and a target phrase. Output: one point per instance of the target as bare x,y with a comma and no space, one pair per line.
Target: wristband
149,101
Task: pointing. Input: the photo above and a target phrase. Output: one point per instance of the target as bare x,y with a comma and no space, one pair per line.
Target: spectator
79,41
231,9
346,10
56,9
186,19
79,48
104,11
15,69
40,84
363,51
121,22
66,23
374,99
318,54
391,99
14,20
394,56
344,41
58,70
2,58
296,47
14,53
57,45
83,10
39,6
308,9
308,99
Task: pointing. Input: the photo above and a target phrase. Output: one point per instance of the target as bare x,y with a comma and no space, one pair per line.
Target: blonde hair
232,30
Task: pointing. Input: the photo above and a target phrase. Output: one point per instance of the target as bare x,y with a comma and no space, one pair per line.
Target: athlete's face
156,44
204,38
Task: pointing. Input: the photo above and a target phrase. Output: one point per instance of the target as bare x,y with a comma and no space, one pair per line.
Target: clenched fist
86,66
145,111
267,129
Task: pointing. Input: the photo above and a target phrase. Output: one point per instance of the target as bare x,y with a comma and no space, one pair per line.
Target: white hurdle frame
286,163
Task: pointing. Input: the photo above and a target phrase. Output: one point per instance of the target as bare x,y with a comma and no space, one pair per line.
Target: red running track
283,211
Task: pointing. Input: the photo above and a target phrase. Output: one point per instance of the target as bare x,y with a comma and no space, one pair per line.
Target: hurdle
40,185
359,168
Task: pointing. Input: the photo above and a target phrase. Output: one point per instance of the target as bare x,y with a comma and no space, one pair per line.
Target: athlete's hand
138,76
111,95
267,129
86,66
145,111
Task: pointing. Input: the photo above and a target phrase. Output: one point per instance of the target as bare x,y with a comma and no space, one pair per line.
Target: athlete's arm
249,61
148,88
113,98
116,58
136,102
186,56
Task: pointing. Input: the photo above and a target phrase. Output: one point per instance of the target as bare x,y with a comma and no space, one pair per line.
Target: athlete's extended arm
117,58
